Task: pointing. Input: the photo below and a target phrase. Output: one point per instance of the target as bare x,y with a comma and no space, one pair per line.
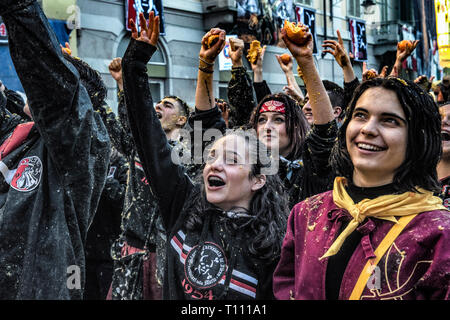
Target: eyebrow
388,114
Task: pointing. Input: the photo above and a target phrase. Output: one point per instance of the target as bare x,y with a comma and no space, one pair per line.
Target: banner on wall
3,32
134,7
225,62
307,16
442,9
359,39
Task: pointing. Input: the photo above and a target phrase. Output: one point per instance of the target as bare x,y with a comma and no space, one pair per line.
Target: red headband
273,106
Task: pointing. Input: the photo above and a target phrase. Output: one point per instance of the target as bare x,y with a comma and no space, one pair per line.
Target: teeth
368,147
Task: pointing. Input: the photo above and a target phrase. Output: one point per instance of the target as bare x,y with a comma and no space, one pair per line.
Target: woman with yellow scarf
380,234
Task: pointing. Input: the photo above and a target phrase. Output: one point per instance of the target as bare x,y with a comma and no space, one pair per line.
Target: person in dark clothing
444,89
139,252
105,229
54,168
280,122
224,232
15,103
336,95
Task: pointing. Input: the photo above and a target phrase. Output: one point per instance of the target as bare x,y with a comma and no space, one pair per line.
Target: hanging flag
307,16
134,7
359,40
3,32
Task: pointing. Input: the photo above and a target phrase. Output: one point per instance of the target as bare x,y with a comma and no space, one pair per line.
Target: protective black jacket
52,179
226,270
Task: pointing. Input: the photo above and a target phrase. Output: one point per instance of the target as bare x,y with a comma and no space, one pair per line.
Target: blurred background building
371,29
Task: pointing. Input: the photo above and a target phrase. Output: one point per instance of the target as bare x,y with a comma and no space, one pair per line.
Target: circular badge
205,266
28,174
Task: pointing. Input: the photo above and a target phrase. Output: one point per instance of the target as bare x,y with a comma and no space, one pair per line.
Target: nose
370,128
217,164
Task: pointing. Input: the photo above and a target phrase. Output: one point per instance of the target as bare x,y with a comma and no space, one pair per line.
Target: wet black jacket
53,181
304,177
227,270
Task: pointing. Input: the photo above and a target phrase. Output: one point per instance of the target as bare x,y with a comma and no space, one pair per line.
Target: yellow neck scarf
385,207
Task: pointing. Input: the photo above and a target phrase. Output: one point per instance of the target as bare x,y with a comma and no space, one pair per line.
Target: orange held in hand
405,44
286,58
212,40
68,51
254,51
297,33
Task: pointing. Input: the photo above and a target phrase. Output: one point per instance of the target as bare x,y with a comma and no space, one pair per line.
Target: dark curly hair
296,124
424,138
268,206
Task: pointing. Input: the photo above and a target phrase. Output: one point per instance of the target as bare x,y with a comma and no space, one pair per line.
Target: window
354,8
406,11
157,90
307,2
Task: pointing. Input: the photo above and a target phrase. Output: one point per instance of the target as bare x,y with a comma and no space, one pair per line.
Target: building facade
97,34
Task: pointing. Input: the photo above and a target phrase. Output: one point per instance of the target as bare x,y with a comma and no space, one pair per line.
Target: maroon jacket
416,266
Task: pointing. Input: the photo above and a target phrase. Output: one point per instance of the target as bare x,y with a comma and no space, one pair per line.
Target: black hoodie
53,177
211,263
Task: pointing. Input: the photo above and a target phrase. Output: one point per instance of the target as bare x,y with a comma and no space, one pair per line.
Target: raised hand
303,51
149,30
403,54
337,49
115,69
208,53
236,51
66,49
288,67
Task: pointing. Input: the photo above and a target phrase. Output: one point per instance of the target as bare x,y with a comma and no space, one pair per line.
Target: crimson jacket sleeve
167,180
284,274
73,133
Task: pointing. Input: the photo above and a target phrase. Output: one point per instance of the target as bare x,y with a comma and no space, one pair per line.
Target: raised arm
402,54
167,180
292,88
73,133
320,103
204,94
337,49
240,90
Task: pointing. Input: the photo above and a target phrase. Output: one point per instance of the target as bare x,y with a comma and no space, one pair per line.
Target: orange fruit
297,33
212,40
254,51
286,58
404,44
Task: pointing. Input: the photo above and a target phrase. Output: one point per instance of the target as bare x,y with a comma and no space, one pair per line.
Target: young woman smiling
380,233
224,232
303,151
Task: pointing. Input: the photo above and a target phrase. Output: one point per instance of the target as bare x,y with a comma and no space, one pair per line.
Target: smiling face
170,115
376,137
271,129
226,175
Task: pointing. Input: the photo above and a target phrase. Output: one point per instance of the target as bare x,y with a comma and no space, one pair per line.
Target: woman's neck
443,169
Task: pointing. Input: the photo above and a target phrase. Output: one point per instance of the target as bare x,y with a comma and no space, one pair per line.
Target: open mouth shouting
445,135
215,182
159,114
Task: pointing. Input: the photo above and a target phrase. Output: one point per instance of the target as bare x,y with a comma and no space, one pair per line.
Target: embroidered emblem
205,266
28,174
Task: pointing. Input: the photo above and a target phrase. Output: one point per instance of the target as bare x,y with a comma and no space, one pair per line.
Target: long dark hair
424,138
268,206
296,124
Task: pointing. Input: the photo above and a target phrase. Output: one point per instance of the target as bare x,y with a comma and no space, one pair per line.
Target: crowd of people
335,192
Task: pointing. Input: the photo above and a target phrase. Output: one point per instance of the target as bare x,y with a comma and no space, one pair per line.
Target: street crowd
335,192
